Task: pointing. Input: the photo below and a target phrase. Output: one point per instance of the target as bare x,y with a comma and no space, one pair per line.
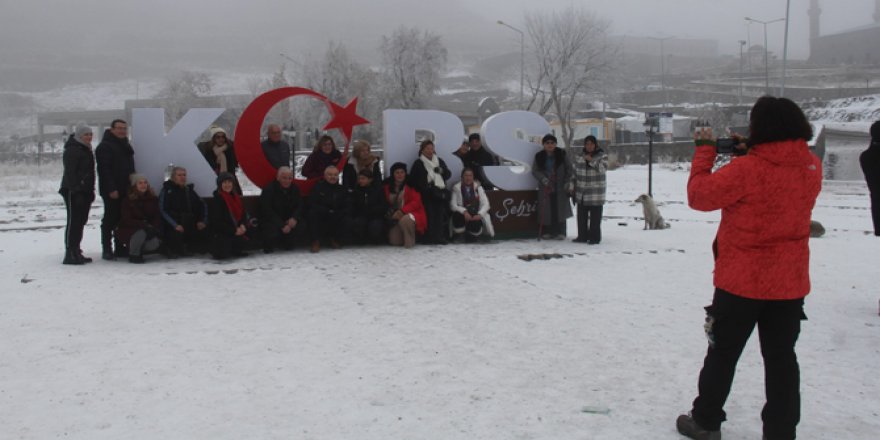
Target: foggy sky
218,33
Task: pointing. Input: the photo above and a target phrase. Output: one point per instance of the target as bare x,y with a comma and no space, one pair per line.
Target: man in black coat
184,215
115,158
329,210
78,191
280,212
870,162
475,157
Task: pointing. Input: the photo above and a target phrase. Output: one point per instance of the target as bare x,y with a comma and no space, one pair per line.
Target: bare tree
412,62
339,77
571,55
181,89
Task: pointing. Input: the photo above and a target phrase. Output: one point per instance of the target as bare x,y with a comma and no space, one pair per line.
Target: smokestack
814,14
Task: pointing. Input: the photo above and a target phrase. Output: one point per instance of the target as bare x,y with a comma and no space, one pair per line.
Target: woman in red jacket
762,257
406,214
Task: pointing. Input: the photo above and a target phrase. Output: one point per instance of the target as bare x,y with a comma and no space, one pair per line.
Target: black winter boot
72,257
689,428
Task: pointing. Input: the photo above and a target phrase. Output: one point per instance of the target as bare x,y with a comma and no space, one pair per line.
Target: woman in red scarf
227,220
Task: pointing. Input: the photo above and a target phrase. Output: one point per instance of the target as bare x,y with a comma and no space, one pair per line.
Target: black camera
729,146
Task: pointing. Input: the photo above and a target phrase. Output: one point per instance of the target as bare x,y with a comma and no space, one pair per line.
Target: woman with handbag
140,220
405,218
470,208
428,176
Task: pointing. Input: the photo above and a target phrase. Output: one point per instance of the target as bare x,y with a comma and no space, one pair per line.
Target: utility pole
785,49
766,56
522,61
741,44
662,69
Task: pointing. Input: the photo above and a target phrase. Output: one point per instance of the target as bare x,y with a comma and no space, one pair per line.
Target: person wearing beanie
219,151
553,171
140,220
474,156
229,222
870,162
115,159
405,217
78,191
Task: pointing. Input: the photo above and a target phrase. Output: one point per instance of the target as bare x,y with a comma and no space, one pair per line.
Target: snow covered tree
412,62
179,91
571,54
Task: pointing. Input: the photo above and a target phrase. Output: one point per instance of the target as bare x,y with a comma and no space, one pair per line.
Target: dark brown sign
514,213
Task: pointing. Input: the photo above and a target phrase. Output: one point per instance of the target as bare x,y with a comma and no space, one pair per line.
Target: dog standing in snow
653,219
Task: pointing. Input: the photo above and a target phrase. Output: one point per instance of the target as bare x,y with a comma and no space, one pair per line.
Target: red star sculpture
344,118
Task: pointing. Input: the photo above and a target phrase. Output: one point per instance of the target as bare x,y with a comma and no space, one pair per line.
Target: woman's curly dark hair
777,119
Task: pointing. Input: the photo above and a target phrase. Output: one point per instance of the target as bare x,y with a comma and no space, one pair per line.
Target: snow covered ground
436,342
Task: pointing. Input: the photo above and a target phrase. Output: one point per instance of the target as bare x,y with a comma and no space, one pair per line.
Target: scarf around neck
433,178
220,153
233,203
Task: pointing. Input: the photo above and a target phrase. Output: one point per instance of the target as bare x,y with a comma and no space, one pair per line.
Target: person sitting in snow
470,208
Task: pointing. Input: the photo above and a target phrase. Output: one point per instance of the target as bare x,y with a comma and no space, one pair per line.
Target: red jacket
766,200
412,204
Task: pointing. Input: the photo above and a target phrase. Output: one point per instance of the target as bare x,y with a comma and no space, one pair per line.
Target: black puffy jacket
79,168
115,158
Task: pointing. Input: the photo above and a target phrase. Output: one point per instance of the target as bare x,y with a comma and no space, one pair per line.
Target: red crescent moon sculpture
247,133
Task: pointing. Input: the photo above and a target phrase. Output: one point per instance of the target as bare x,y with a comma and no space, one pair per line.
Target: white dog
653,219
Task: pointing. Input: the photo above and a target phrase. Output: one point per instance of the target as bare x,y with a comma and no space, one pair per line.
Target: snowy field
436,342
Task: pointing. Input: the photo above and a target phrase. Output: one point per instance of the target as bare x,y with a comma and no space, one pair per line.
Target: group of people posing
350,201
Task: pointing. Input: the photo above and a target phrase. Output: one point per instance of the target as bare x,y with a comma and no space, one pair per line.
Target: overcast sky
33,31
718,19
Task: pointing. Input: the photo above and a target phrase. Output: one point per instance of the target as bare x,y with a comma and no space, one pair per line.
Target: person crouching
227,219
140,220
470,208
329,211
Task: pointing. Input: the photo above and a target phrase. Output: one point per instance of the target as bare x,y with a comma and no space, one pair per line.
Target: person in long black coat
368,209
78,191
428,176
115,158
280,212
552,169
329,211
870,162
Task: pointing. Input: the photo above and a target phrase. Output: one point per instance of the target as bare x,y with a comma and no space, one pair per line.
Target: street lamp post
741,44
522,60
766,57
662,69
785,49
652,122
